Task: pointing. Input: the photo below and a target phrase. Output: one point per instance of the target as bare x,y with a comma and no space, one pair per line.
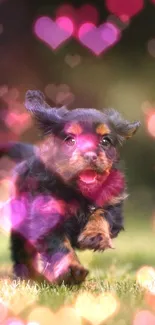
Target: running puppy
69,192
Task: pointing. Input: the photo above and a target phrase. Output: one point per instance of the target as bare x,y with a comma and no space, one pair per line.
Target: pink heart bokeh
59,94
73,60
53,33
100,38
78,16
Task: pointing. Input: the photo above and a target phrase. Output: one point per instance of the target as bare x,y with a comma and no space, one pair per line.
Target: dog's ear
62,111
47,118
123,128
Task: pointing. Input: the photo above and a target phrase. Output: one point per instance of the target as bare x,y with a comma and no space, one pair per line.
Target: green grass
113,270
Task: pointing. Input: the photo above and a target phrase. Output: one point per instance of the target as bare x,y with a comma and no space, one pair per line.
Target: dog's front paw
94,241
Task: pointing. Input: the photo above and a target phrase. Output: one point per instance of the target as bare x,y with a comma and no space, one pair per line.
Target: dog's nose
90,156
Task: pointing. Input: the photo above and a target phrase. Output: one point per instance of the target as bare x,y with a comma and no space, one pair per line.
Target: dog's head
80,145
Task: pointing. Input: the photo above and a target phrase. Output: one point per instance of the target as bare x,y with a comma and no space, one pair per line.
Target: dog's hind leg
59,262
23,254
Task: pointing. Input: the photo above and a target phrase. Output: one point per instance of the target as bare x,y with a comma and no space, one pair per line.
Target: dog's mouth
88,176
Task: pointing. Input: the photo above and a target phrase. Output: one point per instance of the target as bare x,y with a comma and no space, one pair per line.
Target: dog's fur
69,192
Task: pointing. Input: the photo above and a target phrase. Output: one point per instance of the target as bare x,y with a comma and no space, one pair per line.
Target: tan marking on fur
74,128
97,225
107,162
102,129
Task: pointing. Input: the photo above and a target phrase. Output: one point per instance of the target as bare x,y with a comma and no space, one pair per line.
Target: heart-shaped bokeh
98,39
53,33
18,122
96,309
146,277
59,94
123,8
44,316
73,60
78,16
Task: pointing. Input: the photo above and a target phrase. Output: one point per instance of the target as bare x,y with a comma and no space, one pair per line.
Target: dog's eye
70,140
106,142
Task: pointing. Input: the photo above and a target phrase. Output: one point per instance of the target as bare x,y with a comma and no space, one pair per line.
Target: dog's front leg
96,234
58,261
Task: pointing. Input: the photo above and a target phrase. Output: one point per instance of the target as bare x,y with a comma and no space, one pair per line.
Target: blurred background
85,54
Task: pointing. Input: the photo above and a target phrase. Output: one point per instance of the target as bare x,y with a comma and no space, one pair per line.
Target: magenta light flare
18,212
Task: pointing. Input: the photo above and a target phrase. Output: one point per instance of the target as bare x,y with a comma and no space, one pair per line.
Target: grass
112,271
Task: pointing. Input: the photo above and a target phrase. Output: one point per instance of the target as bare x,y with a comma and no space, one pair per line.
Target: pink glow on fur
105,188
87,142
48,206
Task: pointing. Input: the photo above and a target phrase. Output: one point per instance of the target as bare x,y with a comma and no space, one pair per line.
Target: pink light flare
151,123
13,321
57,267
3,312
51,32
98,39
144,317
122,7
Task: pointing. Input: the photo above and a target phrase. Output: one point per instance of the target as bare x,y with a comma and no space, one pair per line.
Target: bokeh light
13,321
59,94
144,317
98,39
85,28
73,60
121,22
51,33
151,124
84,14
146,277
66,24
96,309
68,316
127,8
6,187
41,315
151,47
110,33
3,311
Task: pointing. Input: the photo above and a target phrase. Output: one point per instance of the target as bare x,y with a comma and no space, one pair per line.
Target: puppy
69,191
